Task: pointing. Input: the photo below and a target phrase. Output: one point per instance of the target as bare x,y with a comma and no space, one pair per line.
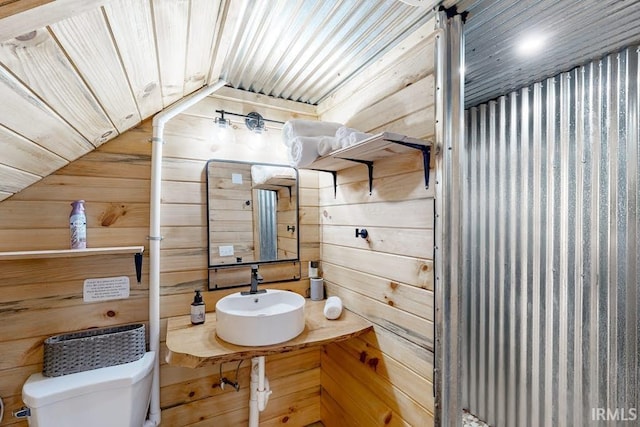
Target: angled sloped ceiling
84,72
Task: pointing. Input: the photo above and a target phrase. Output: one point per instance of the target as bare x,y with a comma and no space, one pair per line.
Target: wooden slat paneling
415,97
20,153
391,371
414,328
226,30
409,62
184,237
87,41
202,23
8,8
414,403
45,14
132,28
388,277
110,165
13,180
37,60
57,188
19,214
20,109
61,271
299,409
57,321
359,402
297,396
413,271
407,242
171,26
199,387
34,239
398,295
420,123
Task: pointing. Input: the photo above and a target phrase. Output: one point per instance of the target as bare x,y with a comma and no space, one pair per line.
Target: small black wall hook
291,228
362,233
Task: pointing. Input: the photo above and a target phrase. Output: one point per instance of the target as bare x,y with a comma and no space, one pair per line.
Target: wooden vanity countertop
193,346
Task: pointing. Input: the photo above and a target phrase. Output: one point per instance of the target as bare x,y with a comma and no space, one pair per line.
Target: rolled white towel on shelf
303,150
344,131
326,145
342,136
333,308
299,127
335,145
356,137
347,136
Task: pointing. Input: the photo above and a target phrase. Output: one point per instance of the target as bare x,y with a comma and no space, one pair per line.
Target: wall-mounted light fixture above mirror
253,121
252,212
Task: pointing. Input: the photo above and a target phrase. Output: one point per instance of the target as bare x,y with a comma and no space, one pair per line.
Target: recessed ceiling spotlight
531,44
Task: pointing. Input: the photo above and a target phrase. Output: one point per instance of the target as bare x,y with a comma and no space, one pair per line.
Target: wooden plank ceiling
77,73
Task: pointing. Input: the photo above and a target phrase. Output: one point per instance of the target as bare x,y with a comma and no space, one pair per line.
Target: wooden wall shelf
74,253
70,253
193,346
379,146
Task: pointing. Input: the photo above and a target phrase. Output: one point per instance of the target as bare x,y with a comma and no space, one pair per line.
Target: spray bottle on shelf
197,309
78,225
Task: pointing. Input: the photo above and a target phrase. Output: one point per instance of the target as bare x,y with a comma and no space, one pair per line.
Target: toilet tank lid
40,391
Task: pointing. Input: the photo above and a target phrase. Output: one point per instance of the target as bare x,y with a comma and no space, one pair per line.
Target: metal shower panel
551,250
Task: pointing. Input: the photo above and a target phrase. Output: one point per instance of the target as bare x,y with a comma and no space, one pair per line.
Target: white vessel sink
260,319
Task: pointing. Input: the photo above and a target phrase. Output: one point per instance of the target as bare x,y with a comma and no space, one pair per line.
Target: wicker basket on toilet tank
92,349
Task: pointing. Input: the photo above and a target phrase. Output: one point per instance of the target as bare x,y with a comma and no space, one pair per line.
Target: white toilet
115,396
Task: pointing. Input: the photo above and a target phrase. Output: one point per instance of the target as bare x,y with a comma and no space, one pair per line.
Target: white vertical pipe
260,390
261,373
254,413
159,121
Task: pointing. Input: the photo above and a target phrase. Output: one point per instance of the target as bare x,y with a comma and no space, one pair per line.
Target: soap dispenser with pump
197,309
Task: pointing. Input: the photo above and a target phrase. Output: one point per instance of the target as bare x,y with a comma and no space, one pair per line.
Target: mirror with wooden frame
252,214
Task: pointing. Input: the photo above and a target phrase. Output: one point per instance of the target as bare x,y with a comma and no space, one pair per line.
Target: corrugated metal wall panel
268,224
303,50
551,250
575,32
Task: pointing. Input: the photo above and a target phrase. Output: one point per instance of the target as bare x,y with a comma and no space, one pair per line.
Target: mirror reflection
252,211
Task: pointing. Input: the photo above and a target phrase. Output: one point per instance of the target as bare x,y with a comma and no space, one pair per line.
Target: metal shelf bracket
137,258
334,174
426,157
369,164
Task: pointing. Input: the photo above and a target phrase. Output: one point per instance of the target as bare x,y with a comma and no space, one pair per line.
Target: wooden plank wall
193,397
44,297
385,377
